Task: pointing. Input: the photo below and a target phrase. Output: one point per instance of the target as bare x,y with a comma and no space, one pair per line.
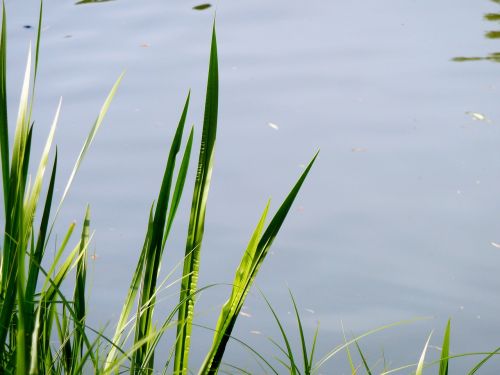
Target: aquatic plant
29,311
43,331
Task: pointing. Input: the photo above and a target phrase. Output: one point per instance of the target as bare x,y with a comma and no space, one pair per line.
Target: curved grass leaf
245,275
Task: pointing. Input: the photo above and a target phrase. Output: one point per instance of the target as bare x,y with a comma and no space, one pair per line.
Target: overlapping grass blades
27,314
251,261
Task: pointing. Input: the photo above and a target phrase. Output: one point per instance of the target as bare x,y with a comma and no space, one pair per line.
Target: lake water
395,221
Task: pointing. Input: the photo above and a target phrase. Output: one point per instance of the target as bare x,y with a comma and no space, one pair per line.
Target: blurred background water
400,215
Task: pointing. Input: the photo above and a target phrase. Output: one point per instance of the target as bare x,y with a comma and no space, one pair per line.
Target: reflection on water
492,34
91,1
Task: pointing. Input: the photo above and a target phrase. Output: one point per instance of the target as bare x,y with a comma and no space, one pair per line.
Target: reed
44,331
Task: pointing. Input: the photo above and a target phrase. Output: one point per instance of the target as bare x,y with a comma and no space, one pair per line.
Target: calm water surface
397,218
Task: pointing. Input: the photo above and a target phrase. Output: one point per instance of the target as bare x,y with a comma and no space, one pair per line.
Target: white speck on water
476,116
256,332
310,311
245,314
495,244
273,126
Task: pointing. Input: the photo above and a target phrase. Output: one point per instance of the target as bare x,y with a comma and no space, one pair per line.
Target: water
397,217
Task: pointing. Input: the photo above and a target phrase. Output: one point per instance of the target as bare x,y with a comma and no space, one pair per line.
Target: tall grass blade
4,127
155,250
79,293
197,217
90,138
445,351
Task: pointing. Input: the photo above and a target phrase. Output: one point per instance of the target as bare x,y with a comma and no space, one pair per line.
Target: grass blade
421,362
4,126
445,351
197,217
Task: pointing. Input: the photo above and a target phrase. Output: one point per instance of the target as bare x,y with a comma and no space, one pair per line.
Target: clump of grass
33,310
43,331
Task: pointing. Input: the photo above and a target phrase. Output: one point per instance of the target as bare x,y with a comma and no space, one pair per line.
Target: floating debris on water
256,332
311,311
202,6
27,26
145,45
273,126
476,116
245,314
495,244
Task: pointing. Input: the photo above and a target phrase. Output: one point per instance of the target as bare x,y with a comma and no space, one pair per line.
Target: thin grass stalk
154,252
79,293
197,216
4,126
445,350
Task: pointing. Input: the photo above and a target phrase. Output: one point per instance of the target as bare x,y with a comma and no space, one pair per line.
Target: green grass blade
197,217
4,126
445,351
179,186
131,295
90,138
337,349
79,293
307,365
313,348
154,250
293,367
483,362
246,273
348,352
363,359
42,233
232,307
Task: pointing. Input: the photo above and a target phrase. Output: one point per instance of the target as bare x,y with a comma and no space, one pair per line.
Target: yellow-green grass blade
197,217
4,126
483,361
22,125
232,307
131,294
348,352
37,255
421,362
154,250
339,348
313,348
445,351
246,273
15,224
89,139
34,363
34,194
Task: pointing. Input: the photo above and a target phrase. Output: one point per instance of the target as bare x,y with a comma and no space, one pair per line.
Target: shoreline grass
44,331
